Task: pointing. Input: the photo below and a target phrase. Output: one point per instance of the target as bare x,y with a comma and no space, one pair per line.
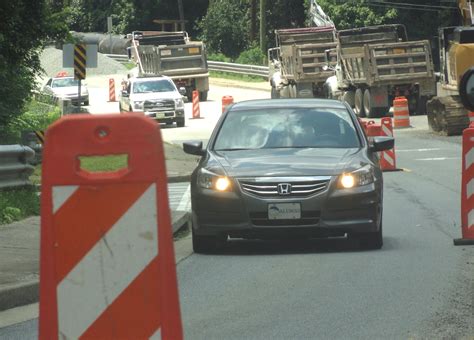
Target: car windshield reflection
287,128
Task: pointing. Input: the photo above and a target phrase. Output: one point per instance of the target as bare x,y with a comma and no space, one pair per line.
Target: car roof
289,103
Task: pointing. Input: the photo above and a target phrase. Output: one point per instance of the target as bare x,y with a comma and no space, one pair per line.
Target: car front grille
295,187
158,105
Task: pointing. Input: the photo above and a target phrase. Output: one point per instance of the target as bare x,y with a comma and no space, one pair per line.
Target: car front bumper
171,115
333,212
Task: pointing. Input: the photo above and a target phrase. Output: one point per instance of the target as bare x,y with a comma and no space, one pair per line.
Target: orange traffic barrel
401,114
226,101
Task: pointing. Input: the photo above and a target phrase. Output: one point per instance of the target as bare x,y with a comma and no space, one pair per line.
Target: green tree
26,27
225,27
355,13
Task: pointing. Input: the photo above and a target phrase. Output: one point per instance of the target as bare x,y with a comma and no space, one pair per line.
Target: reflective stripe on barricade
387,158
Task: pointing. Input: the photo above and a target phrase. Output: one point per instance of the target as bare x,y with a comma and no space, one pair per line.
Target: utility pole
181,14
253,20
263,35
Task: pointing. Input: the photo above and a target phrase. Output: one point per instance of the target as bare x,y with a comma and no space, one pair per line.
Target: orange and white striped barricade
373,129
107,268
387,158
467,190
226,101
401,113
112,90
196,109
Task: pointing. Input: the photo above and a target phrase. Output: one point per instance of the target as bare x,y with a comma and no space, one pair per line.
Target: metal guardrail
251,70
15,167
244,69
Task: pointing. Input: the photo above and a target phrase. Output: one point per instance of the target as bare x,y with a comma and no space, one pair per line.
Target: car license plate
284,211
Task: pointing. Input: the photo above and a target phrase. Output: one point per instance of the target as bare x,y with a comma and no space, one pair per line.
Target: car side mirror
466,89
182,91
125,94
381,143
194,148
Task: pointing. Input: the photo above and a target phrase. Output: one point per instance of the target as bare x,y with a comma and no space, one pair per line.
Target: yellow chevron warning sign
80,61
40,136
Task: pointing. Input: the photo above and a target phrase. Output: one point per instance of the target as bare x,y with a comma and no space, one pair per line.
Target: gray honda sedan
285,169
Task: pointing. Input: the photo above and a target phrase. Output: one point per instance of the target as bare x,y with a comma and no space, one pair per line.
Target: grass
17,204
104,163
235,76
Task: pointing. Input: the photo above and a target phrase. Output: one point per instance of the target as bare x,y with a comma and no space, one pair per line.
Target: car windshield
287,128
153,86
65,82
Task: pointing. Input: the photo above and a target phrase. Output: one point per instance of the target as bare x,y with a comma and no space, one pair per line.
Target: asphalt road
417,286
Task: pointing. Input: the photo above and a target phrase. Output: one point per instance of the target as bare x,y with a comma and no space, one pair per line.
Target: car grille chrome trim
158,105
300,186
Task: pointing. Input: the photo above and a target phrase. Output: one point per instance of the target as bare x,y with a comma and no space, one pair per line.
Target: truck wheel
275,93
203,96
349,98
370,110
180,122
359,103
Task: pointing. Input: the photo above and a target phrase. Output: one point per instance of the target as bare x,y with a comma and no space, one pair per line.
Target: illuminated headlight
138,105
360,177
209,180
179,103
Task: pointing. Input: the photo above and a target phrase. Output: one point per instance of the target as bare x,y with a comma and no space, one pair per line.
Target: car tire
359,103
207,244
370,241
180,122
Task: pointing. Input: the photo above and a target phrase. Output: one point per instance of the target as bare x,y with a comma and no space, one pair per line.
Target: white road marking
437,159
109,267
419,150
185,200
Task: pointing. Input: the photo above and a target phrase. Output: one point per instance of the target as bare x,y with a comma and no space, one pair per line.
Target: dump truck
376,64
171,54
445,112
297,65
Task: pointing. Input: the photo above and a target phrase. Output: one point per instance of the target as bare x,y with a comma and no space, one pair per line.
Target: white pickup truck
157,97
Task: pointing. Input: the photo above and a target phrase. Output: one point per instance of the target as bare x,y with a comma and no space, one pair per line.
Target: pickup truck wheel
203,96
275,94
180,122
359,103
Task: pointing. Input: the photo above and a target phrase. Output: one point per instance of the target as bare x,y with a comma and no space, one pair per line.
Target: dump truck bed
302,52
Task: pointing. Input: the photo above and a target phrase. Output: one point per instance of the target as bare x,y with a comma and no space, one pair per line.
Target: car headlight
138,105
360,177
179,103
209,180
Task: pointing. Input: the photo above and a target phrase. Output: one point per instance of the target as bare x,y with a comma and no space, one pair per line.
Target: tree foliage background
26,27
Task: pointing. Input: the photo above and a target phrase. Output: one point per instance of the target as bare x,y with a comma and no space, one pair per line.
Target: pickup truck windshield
153,86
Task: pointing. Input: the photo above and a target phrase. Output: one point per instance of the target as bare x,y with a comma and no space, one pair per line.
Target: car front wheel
372,240
180,122
207,244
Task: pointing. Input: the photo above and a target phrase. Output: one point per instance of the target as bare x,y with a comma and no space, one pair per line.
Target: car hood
290,162
140,97
68,90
